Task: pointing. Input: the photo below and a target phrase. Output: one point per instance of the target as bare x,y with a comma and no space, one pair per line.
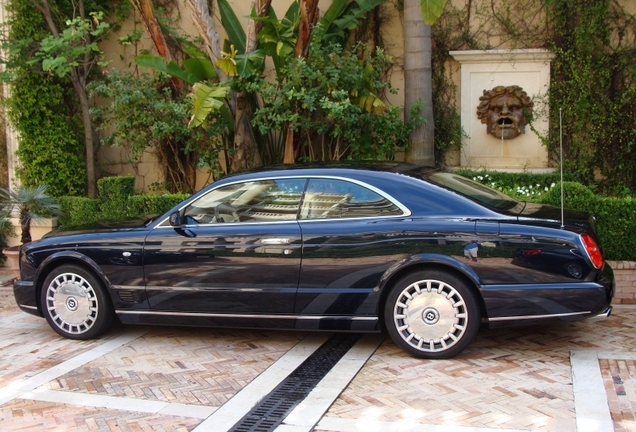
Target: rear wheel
75,304
432,314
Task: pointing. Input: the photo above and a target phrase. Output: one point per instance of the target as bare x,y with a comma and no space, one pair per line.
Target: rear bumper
603,315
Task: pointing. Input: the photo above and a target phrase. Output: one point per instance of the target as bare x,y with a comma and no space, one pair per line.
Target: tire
431,314
75,303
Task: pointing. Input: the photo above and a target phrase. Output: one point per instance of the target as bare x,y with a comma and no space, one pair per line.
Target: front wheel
74,303
431,314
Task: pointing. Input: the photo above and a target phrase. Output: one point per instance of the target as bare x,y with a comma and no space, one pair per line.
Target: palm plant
32,204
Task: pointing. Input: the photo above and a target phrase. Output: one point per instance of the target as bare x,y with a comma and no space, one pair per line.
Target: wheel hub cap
430,315
72,303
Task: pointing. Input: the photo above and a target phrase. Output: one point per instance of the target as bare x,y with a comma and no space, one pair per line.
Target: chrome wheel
432,317
74,304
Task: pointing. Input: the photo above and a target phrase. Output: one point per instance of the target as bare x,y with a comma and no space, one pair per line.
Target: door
237,251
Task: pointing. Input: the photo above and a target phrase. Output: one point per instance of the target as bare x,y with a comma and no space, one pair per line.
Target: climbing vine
42,109
593,78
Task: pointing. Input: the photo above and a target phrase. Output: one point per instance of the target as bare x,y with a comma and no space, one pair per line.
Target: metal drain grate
273,408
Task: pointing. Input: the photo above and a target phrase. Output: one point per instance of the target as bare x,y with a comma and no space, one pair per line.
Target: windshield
473,190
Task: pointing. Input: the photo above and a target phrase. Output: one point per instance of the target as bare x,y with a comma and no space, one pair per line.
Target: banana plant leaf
172,69
232,26
207,99
431,10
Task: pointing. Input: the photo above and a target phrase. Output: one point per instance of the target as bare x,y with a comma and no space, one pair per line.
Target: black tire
75,303
431,314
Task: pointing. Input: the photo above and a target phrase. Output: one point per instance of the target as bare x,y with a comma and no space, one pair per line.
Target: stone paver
517,379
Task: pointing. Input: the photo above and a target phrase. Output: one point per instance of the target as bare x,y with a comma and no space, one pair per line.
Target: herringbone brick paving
27,415
514,378
190,366
619,377
508,378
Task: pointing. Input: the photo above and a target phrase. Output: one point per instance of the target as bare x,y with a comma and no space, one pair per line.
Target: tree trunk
308,17
80,89
247,154
418,83
202,18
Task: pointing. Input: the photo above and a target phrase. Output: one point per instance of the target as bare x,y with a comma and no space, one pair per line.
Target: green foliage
431,10
75,46
116,203
42,110
325,98
78,212
524,186
143,114
594,84
113,195
152,205
614,217
31,204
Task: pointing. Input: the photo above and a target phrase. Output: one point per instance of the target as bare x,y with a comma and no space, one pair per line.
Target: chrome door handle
275,241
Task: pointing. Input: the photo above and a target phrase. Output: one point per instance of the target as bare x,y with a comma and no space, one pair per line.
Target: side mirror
175,219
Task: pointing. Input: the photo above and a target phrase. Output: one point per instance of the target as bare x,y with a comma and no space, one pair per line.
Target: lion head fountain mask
505,111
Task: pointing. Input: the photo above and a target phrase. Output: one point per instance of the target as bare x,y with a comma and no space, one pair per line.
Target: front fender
65,257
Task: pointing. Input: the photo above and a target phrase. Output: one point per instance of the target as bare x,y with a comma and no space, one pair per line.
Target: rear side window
331,198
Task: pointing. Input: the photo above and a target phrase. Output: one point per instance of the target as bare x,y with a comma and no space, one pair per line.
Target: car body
346,247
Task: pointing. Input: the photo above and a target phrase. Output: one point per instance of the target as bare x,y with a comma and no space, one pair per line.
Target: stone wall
625,274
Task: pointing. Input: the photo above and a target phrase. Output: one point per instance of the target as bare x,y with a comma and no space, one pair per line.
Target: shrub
152,205
614,217
523,186
113,195
78,212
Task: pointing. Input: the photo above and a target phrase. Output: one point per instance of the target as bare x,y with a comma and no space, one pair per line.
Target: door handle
275,241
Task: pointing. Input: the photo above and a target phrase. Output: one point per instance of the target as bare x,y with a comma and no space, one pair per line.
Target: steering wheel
225,209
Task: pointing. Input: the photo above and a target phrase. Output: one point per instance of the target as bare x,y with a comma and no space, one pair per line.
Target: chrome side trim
531,317
28,307
129,287
251,316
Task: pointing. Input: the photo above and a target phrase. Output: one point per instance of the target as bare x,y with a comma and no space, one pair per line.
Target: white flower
546,189
553,185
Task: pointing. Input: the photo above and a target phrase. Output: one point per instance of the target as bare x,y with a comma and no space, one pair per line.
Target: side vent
129,296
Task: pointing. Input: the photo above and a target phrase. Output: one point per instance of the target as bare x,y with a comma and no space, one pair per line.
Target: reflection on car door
239,252
348,243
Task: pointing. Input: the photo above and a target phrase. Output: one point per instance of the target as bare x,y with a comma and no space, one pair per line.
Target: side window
266,200
327,198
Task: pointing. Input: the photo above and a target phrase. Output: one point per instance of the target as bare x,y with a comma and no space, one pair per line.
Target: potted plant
32,204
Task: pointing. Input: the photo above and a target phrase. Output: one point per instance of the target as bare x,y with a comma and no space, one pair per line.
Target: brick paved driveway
564,377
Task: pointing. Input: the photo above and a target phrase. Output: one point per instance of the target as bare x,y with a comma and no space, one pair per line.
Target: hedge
615,218
116,203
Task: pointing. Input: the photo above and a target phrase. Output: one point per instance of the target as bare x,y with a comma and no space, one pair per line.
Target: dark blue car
358,247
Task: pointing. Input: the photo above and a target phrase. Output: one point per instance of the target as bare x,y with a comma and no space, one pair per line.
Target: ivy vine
593,78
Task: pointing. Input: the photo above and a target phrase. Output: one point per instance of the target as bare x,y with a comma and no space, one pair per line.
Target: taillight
593,251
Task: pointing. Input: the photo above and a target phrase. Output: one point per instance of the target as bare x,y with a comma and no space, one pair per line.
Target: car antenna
561,156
